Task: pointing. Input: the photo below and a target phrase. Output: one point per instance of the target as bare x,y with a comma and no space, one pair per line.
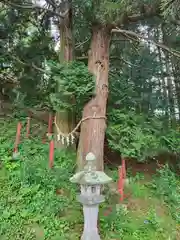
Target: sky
54,31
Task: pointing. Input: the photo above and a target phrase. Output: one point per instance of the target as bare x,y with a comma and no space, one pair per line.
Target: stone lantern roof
89,176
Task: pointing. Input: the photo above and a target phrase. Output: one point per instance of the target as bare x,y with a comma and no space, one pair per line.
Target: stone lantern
91,182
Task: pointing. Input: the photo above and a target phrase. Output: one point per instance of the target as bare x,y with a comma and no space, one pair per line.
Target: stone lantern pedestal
91,182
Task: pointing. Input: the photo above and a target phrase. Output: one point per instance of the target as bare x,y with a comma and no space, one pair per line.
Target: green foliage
25,46
145,216
75,85
167,187
134,78
109,11
137,136
127,225
139,109
170,9
172,140
39,203
137,71
35,199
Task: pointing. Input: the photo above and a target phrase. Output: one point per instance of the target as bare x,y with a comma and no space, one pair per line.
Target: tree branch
137,37
35,6
127,62
26,64
78,45
146,11
168,4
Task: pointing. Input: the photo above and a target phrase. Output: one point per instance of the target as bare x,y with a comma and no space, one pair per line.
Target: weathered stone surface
90,157
91,182
90,223
91,200
90,178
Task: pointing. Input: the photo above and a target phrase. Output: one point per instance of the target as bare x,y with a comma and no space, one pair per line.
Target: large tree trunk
176,73
65,119
93,129
163,85
170,83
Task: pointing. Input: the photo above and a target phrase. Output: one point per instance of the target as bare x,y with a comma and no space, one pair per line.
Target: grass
37,203
147,216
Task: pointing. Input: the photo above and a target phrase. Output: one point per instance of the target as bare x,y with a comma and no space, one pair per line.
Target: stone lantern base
90,226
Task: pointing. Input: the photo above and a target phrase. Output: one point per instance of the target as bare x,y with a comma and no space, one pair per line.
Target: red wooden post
124,168
28,127
121,184
50,122
51,153
18,133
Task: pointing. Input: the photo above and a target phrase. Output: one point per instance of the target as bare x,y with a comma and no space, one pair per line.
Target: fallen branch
137,37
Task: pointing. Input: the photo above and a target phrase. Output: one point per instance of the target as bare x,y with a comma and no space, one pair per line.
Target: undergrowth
141,137
38,203
167,187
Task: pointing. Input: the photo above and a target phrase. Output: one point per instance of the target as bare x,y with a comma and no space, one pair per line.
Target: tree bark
170,83
93,129
164,87
176,71
65,119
